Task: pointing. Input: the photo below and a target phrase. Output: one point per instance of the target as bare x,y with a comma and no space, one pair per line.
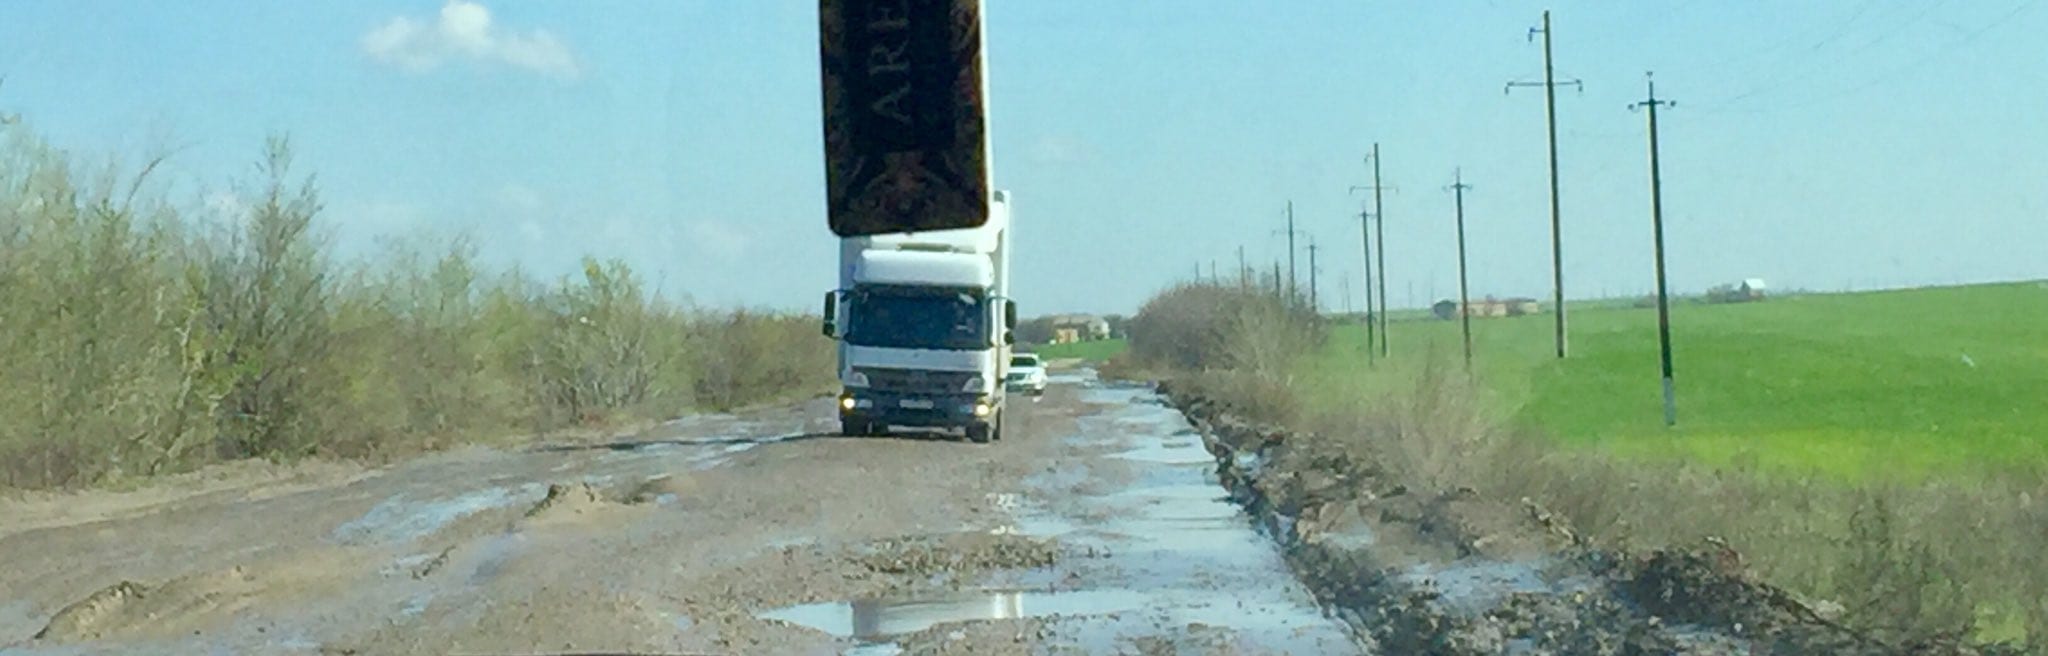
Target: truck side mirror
1009,338
1010,314
831,327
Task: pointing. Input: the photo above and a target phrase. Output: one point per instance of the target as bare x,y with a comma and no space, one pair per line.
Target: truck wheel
855,428
997,433
979,433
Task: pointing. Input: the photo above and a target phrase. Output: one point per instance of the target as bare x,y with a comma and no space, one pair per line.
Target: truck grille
916,381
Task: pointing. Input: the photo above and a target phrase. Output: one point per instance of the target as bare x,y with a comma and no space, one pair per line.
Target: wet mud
1450,572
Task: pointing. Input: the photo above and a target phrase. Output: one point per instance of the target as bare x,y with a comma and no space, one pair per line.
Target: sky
1817,145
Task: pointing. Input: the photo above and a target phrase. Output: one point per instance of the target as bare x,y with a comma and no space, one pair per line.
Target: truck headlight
847,403
973,384
981,408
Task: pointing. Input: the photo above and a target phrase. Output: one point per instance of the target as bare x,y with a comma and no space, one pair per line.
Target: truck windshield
918,317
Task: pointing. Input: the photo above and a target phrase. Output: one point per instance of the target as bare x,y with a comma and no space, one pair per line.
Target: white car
1027,374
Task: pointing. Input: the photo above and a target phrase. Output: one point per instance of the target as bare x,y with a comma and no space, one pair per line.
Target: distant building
1070,328
1751,289
1488,307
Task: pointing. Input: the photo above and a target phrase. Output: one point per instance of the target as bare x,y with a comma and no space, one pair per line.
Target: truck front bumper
917,410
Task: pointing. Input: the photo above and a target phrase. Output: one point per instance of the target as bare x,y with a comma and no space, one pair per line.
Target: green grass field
1096,351
1906,383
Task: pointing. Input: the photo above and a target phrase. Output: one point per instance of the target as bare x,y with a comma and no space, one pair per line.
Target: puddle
877,619
492,555
17,618
415,606
398,519
1169,548
1187,453
1473,587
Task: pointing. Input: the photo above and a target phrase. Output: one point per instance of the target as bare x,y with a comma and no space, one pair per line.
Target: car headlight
973,384
856,379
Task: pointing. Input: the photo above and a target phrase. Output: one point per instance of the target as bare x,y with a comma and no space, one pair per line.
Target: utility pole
1243,273
1657,229
1345,283
1313,306
1365,246
1292,290
1457,189
1213,280
1550,85
1378,214
1277,291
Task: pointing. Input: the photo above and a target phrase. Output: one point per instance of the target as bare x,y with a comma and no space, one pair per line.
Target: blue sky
1822,145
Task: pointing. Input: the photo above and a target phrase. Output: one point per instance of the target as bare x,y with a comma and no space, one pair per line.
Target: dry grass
140,338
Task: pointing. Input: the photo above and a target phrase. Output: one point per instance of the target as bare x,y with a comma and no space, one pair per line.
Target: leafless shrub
137,339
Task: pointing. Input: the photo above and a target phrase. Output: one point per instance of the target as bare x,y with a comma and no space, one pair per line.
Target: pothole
873,620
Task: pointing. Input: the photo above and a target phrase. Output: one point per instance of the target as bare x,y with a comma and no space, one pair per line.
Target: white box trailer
924,322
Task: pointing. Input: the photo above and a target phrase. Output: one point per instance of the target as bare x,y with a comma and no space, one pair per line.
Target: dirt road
1097,526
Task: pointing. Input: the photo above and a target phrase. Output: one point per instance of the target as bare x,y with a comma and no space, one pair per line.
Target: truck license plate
916,404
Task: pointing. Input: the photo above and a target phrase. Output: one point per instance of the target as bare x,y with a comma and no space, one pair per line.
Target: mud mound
1018,636
196,601
567,500
82,620
957,554
661,490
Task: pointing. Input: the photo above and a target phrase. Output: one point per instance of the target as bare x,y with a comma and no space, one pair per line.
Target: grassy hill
1887,383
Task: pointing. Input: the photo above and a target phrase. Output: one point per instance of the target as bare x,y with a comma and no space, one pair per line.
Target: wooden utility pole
1657,229
1457,189
1550,85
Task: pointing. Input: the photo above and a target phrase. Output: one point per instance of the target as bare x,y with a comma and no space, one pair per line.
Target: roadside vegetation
140,335
1844,444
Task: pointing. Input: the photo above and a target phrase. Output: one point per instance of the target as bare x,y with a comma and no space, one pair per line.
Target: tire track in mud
1453,573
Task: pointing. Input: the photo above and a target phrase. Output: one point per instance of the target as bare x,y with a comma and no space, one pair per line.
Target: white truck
925,325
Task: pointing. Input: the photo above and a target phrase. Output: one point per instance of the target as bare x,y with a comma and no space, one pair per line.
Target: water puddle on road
881,619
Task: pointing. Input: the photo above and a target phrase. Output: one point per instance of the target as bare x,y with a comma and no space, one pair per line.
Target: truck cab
924,323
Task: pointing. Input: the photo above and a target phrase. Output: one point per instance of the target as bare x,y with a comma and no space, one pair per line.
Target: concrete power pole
1657,229
1457,189
1378,219
1313,305
1379,216
1550,85
1292,290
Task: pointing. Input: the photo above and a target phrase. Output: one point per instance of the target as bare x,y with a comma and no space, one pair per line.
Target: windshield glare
901,317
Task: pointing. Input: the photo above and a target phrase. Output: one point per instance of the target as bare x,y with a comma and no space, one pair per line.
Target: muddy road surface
1096,526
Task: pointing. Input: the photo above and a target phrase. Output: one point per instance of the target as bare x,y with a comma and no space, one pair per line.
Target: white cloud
225,205
1060,150
464,30
717,239
520,198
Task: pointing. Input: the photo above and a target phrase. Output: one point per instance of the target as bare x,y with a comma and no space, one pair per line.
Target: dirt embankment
1453,572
